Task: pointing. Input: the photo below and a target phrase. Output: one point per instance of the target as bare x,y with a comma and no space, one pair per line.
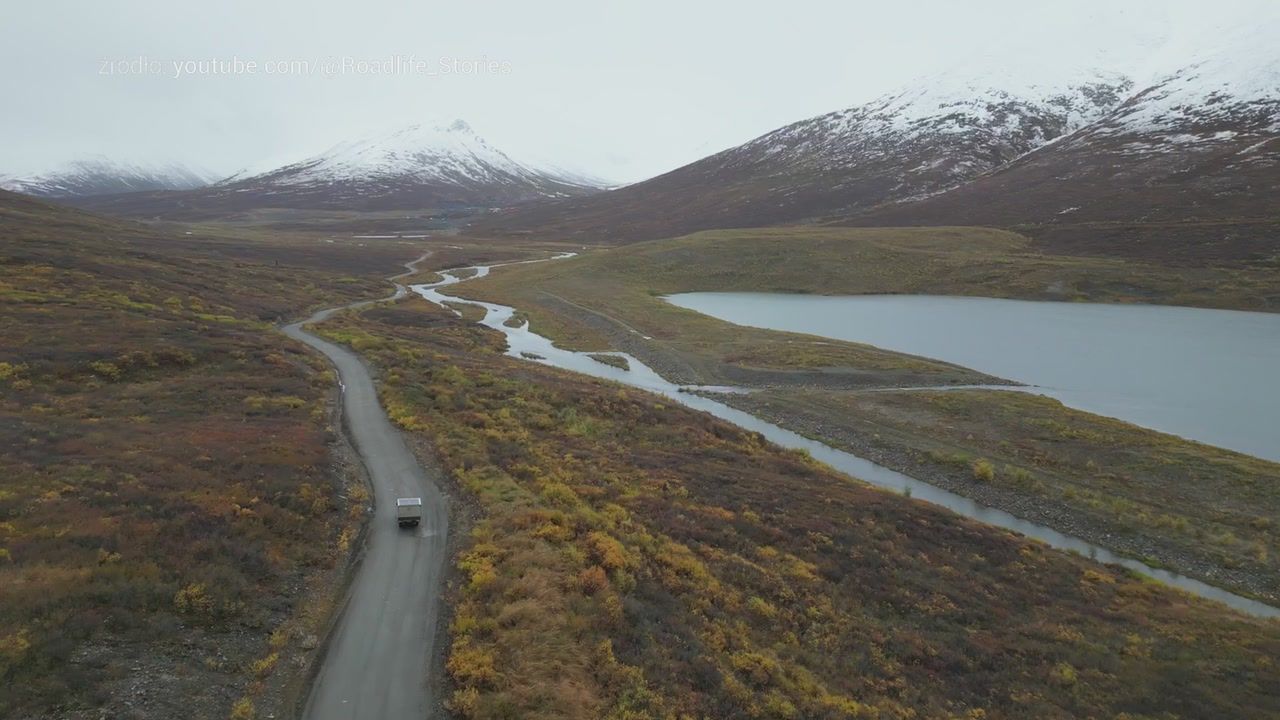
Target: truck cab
408,511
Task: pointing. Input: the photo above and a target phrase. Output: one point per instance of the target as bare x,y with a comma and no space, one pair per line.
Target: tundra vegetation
1193,508
628,558
171,510
1197,509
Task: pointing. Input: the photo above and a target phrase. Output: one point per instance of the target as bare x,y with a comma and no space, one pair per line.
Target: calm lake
1207,375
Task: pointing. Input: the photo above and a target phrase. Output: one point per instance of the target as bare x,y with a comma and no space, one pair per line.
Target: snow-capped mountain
1234,85
947,129
933,136
419,166
1230,96
99,175
1198,143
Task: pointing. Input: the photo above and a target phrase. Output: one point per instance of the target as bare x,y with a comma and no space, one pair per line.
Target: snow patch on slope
964,98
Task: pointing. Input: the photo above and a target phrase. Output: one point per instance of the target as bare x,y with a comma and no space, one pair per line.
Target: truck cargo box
408,511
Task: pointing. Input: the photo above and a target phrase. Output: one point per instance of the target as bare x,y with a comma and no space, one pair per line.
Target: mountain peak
426,164
456,127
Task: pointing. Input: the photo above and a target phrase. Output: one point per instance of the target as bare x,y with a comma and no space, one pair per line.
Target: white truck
408,512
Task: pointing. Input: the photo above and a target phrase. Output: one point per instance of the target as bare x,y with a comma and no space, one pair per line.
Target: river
525,344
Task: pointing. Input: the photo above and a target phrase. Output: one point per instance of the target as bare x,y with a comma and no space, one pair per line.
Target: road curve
380,652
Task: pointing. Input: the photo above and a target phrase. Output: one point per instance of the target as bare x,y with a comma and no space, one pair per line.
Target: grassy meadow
621,557
1171,503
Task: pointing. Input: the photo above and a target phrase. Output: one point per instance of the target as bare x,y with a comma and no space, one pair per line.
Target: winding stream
527,345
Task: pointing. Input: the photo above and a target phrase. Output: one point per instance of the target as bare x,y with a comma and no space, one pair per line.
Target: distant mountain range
911,144
1054,157
1186,165
421,166
418,166
100,175
1195,154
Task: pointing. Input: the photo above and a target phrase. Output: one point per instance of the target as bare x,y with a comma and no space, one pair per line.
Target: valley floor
179,503
629,558
1197,510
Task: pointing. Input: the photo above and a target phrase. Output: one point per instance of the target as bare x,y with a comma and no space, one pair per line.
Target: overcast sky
622,90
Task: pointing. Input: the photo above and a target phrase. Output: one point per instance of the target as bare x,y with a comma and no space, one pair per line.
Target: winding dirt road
380,652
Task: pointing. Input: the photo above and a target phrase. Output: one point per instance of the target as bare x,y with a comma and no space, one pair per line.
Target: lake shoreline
1201,374
525,344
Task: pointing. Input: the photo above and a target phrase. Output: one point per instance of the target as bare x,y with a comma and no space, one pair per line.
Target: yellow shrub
756,667
483,574
193,599
560,494
777,705
261,402
470,665
1093,577
607,550
464,701
464,623
983,470
761,607
9,371
344,539
243,709
593,580
799,569
553,532
1063,674
279,637
107,370
263,666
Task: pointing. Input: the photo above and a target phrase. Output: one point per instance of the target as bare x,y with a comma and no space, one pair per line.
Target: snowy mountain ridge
422,166
425,152
1005,117
1187,166
450,160
1240,77
99,175
1190,131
